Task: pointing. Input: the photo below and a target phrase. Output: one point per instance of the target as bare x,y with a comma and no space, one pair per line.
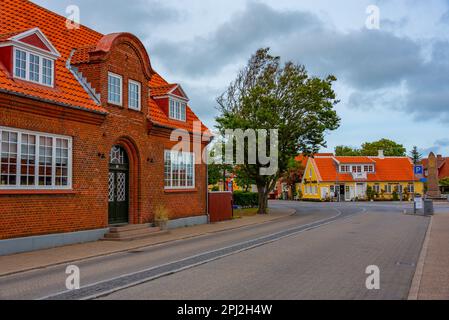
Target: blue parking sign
419,170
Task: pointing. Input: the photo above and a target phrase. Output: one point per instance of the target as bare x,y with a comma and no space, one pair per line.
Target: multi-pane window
8,160
411,188
388,188
47,71
31,160
376,188
28,160
62,162
33,67
134,95
178,110
115,89
21,64
179,170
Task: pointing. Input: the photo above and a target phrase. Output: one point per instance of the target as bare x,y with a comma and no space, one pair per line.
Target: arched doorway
118,186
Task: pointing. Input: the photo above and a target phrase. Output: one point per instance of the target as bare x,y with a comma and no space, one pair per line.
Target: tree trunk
263,199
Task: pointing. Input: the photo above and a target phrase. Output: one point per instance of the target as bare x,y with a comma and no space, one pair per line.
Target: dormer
172,99
29,56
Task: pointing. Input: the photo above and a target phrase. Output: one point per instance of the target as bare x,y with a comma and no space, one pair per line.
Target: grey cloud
436,148
137,17
256,26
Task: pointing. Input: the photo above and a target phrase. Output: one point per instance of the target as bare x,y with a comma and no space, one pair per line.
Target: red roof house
85,132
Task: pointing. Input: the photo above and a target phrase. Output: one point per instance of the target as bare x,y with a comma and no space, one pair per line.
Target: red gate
220,206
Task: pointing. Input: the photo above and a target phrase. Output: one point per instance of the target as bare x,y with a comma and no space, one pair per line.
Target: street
321,252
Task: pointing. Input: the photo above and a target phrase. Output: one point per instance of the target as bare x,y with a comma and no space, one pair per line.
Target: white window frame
176,153
117,76
41,68
139,95
36,185
173,112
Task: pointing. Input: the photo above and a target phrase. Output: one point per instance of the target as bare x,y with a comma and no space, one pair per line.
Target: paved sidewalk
39,259
432,280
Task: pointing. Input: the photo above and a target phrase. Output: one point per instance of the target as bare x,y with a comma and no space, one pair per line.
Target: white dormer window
178,109
115,89
33,57
33,67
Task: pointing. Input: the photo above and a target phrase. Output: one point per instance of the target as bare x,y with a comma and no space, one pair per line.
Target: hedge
246,199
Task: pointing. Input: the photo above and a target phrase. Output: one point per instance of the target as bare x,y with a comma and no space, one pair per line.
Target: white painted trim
27,68
171,171
139,85
36,182
121,88
41,36
178,86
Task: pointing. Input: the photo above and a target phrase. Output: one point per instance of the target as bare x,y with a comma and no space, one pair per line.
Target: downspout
207,187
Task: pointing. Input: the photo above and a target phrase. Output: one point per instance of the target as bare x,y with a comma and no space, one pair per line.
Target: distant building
443,166
348,178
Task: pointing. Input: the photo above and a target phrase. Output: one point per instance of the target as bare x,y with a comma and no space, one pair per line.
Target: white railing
359,175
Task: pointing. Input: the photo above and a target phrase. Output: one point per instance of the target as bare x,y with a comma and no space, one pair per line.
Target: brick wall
87,206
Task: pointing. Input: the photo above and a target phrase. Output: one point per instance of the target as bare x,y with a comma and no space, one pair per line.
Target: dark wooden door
118,186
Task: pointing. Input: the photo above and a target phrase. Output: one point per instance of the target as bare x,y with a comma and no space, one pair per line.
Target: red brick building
85,125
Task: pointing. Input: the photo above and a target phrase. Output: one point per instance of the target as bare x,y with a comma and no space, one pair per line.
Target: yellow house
359,178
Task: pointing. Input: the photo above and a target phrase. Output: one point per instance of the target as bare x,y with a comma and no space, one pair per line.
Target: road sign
419,170
419,203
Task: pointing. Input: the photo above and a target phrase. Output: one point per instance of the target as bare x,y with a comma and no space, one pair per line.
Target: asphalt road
320,253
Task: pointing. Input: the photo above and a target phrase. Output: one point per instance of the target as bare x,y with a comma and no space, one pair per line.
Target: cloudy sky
393,82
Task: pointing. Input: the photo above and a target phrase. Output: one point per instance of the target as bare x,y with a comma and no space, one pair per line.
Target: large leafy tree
268,95
346,151
390,148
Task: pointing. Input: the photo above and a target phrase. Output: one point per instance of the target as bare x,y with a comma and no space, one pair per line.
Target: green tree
444,182
293,175
390,148
217,169
242,179
341,151
415,155
268,95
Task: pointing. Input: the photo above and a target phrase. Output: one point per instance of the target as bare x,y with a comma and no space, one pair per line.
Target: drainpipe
207,186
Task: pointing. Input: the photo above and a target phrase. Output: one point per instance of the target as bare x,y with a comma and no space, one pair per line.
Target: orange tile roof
20,15
354,160
162,90
387,169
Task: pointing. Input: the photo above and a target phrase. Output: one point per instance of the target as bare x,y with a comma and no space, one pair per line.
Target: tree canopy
268,95
390,148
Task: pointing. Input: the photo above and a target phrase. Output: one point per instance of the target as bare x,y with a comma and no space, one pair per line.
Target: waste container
428,207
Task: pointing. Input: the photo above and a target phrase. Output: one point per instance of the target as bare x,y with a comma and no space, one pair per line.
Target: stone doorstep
132,232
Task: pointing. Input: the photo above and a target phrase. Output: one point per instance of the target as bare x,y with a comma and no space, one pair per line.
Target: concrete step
130,227
133,232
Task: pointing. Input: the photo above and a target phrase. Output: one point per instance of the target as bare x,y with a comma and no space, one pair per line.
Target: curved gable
111,41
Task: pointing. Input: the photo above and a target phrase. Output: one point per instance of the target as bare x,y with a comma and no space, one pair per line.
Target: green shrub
246,199
395,196
215,188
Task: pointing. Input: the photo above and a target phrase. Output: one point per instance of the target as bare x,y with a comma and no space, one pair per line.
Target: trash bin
428,207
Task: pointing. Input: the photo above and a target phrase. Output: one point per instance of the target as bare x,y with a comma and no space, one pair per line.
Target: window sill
181,190
37,192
